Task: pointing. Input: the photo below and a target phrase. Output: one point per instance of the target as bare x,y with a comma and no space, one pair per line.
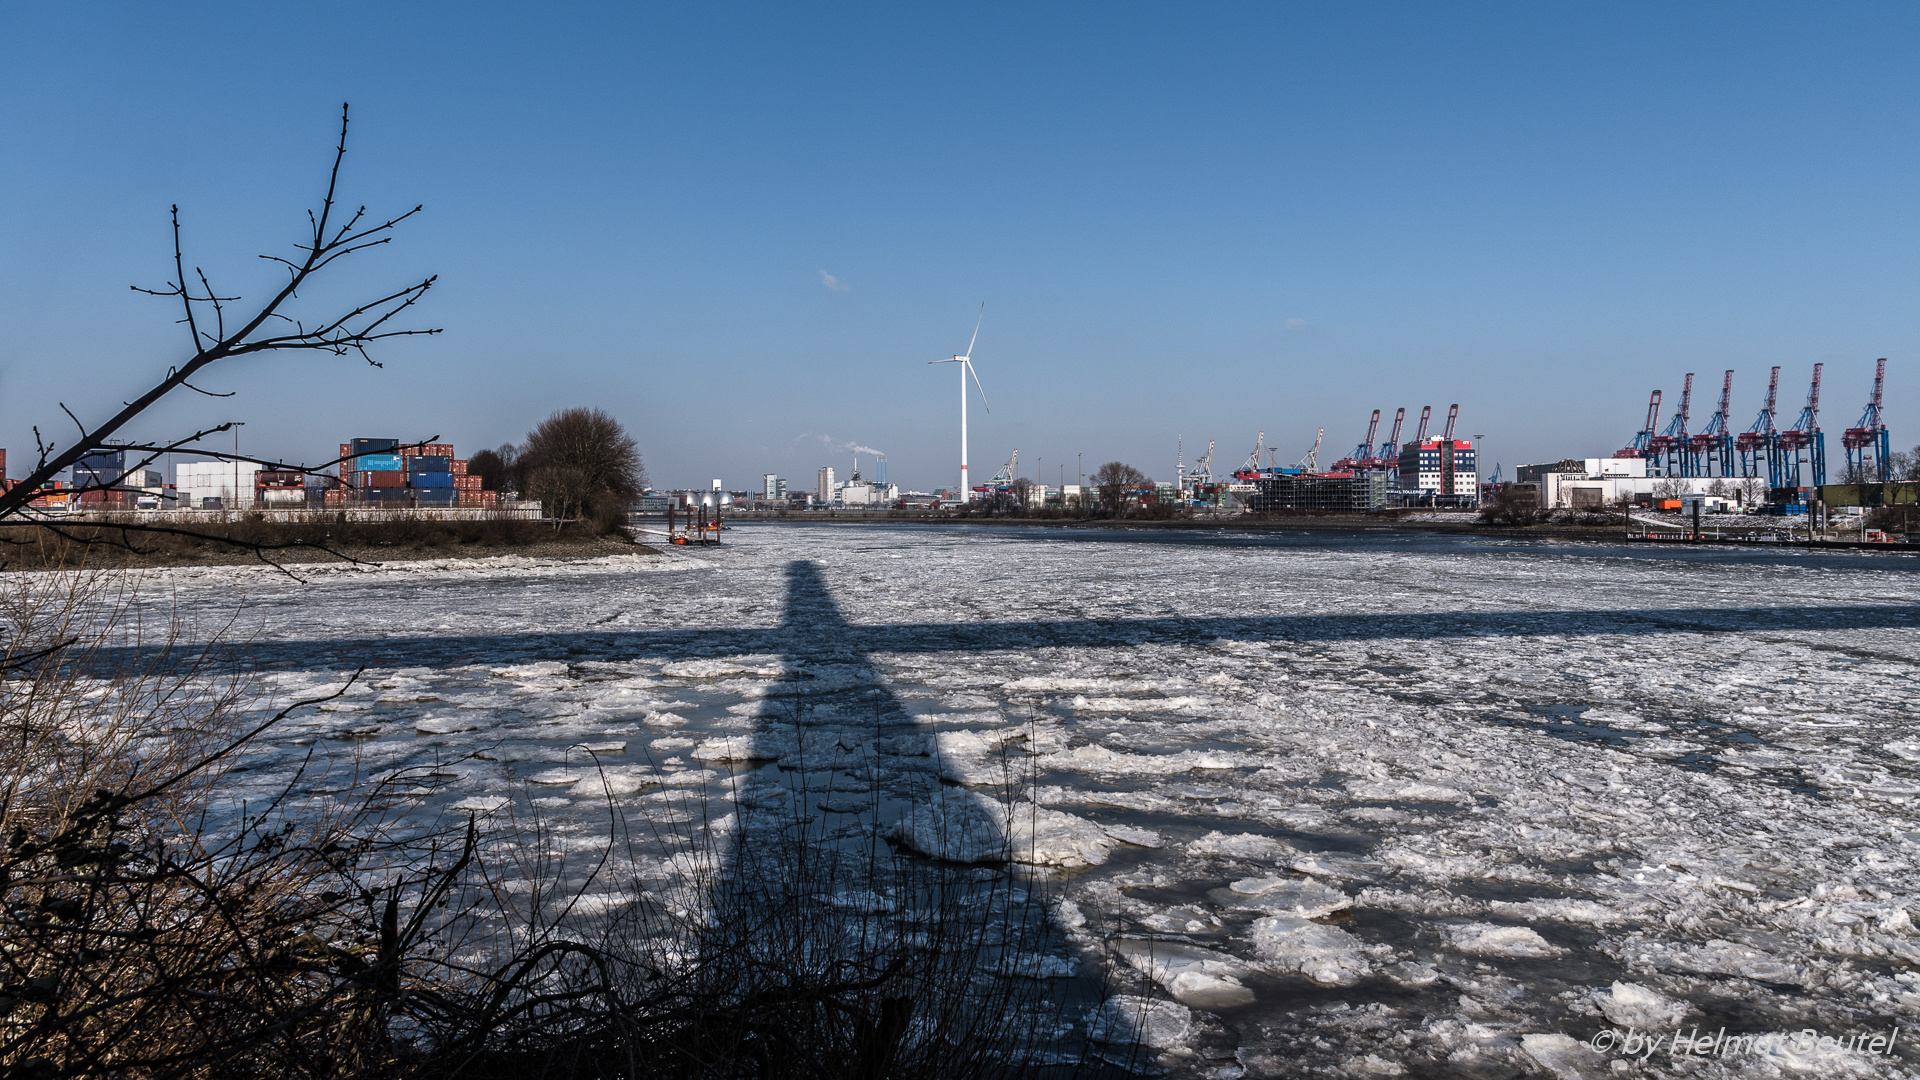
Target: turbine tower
966,368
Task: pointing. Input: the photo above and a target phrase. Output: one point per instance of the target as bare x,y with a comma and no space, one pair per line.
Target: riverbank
45,546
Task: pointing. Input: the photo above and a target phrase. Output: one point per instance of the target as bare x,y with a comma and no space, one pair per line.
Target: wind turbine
966,369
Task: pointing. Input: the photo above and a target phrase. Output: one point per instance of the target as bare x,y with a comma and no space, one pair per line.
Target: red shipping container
384,479
459,466
346,451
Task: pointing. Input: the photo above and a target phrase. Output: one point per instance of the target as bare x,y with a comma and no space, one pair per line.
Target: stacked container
382,472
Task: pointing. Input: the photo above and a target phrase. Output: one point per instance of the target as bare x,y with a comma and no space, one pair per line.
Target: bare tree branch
361,327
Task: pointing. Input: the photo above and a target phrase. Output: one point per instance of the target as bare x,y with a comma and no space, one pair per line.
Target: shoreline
1753,538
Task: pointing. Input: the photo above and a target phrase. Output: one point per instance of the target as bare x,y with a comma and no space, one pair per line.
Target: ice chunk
1489,939
1302,898
538,670
1240,846
717,669
1326,954
447,725
1127,1018
967,829
1719,957
1128,834
1568,911
556,776
1062,684
482,803
1632,1005
1563,1056
621,780
765,746
1199,977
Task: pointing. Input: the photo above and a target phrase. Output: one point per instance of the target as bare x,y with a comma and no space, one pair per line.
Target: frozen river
1368,804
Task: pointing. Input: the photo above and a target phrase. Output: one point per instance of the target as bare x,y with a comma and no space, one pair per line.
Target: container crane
1714,443
1420,436
1389,453
1756,443
1804,436
1250,470
1868,438
1312,460
1642,444
1004,478
1453,414
1200,480
1669,448
1362,456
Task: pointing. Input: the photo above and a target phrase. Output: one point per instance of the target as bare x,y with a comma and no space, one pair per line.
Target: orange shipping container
384,479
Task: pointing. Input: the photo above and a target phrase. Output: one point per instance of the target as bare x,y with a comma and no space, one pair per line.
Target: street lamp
237,425
1476,467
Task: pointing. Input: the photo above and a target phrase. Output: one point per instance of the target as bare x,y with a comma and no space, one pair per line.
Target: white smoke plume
847,447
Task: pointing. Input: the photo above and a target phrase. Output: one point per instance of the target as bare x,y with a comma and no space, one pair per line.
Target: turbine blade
977,386
976,337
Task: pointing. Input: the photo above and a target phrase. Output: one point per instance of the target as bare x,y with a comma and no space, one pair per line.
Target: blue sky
1184,220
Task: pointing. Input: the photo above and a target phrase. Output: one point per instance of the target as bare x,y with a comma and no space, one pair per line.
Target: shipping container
466,483
432,480
434,496
359,447
459,466
429,463
379,463
386,478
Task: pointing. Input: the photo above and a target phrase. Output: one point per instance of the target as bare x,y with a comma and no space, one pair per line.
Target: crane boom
1312,460
1426,413
1453,413
1391,447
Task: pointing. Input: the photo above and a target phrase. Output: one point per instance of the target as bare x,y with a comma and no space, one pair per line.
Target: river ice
1347,805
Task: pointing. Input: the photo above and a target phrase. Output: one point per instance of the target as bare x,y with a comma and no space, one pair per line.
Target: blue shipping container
378,463
429,463
434,496
373,446
432,480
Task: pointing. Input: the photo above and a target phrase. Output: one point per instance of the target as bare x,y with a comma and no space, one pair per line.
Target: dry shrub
154,928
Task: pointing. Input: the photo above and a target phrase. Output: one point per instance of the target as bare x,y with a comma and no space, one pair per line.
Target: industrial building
227,485
1592,483
1326,492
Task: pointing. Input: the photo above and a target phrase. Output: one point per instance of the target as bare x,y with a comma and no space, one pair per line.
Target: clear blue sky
1184,219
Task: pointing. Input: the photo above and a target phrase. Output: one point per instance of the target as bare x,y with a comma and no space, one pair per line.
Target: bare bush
579,461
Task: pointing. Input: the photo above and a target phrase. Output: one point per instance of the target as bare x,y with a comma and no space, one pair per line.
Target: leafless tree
581,461
218,332
1117,481
495,468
